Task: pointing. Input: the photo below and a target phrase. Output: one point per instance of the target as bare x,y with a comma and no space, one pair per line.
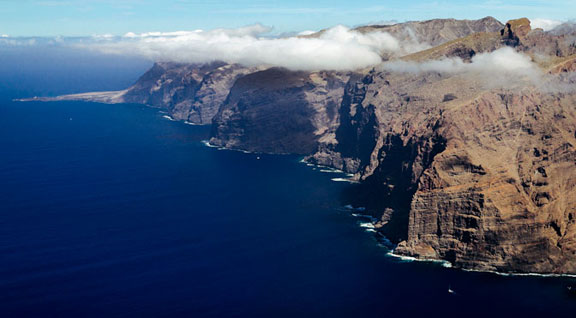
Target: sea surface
114,211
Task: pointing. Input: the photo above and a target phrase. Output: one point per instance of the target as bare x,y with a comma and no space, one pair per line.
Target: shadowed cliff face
279,111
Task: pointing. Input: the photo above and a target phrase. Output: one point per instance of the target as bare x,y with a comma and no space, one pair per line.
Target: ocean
114,211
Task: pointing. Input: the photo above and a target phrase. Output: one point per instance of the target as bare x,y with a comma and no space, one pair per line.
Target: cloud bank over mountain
338,48
505,60
545,24
501,67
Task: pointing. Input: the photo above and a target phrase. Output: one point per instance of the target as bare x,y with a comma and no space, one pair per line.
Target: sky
118,17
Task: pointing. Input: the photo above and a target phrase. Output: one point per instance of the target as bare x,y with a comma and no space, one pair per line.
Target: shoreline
447,264
324,169
327,169
371,229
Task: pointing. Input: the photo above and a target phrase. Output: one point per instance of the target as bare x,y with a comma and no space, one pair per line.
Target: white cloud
307,32
4,36
499,67
17,42
103,36
545,24
339,48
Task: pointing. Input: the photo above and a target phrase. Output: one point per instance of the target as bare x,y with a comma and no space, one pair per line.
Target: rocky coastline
477,171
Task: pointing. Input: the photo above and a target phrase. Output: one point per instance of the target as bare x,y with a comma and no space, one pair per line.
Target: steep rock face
483,178
279,111
189,92
501,195
353,138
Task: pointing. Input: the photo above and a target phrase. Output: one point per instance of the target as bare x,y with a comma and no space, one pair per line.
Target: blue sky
90,17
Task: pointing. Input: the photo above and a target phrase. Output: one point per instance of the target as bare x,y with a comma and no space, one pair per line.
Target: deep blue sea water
113,211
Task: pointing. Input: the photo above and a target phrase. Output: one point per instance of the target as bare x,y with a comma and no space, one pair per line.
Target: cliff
188,92
472,167
483,179
478,172
501,194
279,111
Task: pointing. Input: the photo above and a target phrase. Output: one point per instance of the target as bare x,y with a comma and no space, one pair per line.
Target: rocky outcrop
515,31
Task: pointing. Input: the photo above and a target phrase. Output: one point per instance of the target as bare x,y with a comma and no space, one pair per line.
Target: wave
365,216
207,144
330,171
447,264
326,169
414,259
168,117
345,180
385,242
513,274
350,207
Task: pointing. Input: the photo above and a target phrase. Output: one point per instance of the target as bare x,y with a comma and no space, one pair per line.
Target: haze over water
111,210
